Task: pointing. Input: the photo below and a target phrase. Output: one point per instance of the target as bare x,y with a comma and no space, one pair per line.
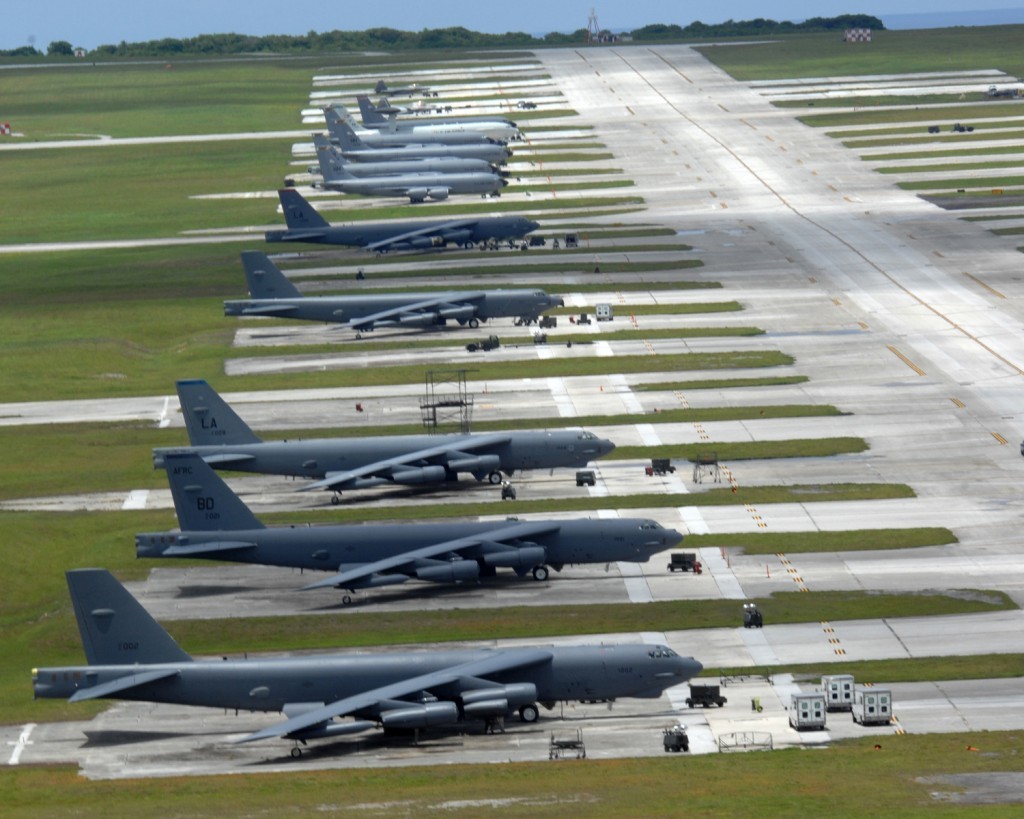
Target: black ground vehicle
675,739
685,562
704,695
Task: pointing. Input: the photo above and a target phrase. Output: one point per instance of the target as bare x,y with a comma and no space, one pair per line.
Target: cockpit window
659,652
586,436
651,524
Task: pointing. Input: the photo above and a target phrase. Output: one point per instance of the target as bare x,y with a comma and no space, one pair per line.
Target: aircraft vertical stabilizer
298,214
208,418
115,628
265,279
202,501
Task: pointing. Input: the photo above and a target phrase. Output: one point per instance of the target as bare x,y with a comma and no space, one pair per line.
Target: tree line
390,39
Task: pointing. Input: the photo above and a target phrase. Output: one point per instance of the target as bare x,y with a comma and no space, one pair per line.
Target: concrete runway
903,316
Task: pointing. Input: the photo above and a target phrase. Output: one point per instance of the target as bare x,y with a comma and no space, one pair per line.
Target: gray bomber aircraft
357,149
272,294
225,442
337,175
305,224
215,524
129,656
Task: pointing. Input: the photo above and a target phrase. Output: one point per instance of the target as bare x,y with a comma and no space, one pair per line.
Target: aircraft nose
689,667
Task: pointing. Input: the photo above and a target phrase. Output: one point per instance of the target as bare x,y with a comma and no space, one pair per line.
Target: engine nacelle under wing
421,716
334,729
515,693
524,557
483,464
418,474
420,320
452,571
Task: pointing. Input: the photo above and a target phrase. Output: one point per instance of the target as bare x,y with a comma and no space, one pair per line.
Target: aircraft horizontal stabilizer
122,684
200,549
269,310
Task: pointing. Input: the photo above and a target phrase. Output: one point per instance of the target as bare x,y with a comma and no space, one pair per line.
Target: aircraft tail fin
116,629
372,118
298,213
208,417
264,278
202,501
341,129
331,164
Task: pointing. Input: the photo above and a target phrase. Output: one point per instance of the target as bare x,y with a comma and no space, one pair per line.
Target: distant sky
90,23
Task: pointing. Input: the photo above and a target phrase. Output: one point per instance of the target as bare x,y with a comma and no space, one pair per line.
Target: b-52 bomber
272,294
358,149
225,441
129,656
305,224
215,524
337,175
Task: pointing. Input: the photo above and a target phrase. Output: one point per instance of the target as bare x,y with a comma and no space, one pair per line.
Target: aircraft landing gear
335,498
474,323
346,599
529,713
296,752
541,573
494,478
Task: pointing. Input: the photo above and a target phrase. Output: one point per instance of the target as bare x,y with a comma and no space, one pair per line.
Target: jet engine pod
454,571
525,557
421,716
483,464
486,708
413,475
438,194
515,694
334,729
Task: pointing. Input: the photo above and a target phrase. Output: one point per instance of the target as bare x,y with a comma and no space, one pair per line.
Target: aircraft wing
439,305
387,468
433,230
497,663
502,535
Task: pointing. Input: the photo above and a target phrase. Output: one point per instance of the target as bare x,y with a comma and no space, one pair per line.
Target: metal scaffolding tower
446,403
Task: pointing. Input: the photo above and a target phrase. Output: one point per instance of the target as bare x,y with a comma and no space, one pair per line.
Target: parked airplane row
130,656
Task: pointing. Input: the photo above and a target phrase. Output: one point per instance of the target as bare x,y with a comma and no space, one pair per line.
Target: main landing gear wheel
540,573
494,478
474,323
528,713
346,599
296,752
335,498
